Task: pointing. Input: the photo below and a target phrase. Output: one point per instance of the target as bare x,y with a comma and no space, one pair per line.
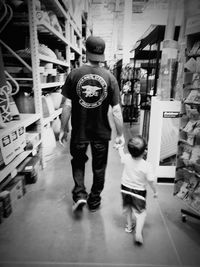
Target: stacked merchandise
29,168
130,93
10,195
11,145
187,182
16,189
27,173
5,201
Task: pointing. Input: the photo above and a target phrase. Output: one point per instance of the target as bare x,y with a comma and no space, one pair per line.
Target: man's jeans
99,150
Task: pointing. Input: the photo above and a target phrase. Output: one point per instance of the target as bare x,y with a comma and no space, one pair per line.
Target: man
89,91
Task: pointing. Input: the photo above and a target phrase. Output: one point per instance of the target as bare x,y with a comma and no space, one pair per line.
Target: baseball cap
95,47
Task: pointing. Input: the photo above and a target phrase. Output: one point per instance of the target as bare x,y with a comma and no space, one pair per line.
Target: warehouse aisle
42,230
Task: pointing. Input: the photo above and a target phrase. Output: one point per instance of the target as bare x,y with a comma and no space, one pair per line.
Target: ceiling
108,21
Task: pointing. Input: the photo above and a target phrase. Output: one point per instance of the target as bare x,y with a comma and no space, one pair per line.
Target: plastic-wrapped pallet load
49,143
47,106
56,99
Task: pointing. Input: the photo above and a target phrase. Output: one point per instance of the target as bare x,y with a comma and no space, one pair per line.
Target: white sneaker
129,229
78,206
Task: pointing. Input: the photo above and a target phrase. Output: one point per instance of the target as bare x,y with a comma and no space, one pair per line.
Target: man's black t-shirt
91,90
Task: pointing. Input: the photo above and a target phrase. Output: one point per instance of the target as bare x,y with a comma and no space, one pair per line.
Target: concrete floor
42,230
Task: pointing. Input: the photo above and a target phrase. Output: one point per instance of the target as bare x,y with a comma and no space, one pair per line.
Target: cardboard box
7,149
30,169
14,136
18,148
32,138
15,187
22,137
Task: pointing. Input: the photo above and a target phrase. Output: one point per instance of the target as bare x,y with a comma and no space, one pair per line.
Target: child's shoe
129,229
138,239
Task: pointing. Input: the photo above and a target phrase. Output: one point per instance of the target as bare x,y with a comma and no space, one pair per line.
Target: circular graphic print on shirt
92,90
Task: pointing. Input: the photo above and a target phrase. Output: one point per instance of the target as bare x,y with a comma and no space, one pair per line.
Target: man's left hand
62,137
119,140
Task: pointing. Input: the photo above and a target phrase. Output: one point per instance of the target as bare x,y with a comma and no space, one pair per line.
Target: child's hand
120,140
155,195
117,146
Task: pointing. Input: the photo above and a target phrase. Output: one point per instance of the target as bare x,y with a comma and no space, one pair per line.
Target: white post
126,30
169,55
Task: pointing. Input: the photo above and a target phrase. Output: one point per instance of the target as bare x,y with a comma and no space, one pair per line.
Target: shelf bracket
17,56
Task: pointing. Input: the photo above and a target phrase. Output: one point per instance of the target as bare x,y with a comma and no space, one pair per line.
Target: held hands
119,142
62,137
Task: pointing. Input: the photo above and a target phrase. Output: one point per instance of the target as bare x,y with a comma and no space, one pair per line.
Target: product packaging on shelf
6,203
56,99
47,106
16,187
32,138
22,138
30,169
18,137
7,150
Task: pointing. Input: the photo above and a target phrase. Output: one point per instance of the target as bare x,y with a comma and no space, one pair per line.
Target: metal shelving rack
187,180
35,27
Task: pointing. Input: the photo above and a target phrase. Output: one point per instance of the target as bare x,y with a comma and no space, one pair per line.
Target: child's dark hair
136,146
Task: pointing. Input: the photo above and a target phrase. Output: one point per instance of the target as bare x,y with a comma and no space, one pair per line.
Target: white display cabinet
163,137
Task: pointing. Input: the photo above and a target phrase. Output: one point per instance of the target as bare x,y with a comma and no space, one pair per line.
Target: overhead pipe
15,83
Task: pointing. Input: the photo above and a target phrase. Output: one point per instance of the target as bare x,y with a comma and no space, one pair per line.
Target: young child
136,174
